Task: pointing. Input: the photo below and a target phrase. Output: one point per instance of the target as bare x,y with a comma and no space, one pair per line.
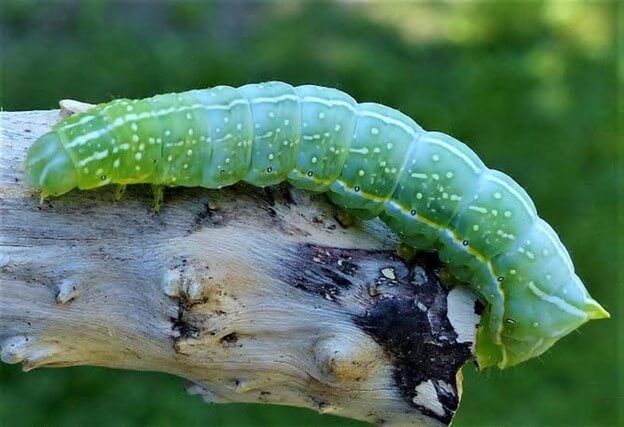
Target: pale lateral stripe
47,168
91,116
477,208
363,150
554,239
137,117
82,121
561,304
273,100
389,121
454,150
328,102
529,208
98,155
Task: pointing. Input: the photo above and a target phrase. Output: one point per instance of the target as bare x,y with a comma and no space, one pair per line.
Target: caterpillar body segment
429,188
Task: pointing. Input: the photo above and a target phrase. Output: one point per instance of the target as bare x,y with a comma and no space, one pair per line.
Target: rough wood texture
254,295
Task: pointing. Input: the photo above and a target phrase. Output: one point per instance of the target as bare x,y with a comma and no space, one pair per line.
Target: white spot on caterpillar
169,158
190,131
427,138
389,146
189,152
134,127
271,156
361,172
435,158
271,114
314,160
498,195
374,131
138,156
419,175
475,227
239,126
189,116
135,138
419,196
449,175
337,128
321,115
507,214
116,163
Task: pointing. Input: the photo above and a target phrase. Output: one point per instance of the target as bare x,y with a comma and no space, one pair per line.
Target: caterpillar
430,189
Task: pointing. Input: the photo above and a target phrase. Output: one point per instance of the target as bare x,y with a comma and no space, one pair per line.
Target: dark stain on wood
414,330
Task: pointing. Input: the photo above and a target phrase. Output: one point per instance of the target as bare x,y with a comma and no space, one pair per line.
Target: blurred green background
531,86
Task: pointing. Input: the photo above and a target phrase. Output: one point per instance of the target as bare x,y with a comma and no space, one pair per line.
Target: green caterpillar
429,188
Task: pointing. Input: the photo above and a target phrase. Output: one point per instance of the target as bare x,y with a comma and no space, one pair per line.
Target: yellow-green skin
429,188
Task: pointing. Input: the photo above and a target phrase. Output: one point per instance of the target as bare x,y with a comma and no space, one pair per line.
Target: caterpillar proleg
429,188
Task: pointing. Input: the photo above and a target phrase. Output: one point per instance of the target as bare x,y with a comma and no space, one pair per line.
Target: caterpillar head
49,167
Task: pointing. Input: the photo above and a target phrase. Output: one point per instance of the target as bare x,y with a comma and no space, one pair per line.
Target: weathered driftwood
253,295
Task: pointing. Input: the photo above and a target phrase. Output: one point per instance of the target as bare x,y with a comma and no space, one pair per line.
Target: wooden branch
253,295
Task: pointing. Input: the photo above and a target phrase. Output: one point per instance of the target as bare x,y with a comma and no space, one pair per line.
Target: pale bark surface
253,295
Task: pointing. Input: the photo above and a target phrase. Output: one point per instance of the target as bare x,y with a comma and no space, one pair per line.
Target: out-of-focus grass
530,86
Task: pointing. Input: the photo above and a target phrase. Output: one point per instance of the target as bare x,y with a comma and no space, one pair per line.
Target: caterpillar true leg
119,191
159,197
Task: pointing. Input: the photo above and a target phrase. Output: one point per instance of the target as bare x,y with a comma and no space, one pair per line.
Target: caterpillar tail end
513,350
595,311
49,167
